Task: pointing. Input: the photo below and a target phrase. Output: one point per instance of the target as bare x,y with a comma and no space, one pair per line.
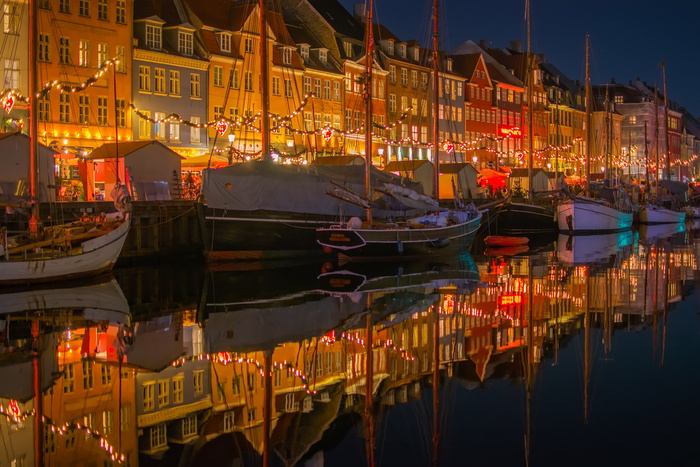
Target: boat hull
587,216
237,235
399,242
523,218
98,255
651,214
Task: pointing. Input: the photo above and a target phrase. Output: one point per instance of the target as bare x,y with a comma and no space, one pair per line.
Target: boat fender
399,245
440,243
354,223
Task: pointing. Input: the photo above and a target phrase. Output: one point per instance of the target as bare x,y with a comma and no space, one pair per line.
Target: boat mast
34,221
369,58
588,117
668,147
436,102
264,95
531,106
656,141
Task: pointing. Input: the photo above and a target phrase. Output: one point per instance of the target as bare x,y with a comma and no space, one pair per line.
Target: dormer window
323,55
347,46
225,41
154,36
390,48
304,51
286,55
449,64
185,42
403,50
248,44
416,54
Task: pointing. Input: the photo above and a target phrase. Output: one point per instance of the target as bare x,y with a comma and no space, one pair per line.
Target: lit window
185,43
153,36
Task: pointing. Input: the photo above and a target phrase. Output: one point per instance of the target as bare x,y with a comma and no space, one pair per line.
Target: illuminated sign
510,131
505,300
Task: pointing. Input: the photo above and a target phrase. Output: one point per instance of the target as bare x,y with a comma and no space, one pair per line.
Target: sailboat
611,212
528,216
55,253
655,213
435,229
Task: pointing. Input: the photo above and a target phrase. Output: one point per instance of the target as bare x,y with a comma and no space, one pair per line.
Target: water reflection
355,364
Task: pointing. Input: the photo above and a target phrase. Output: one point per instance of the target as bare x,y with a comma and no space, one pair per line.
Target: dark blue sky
629,38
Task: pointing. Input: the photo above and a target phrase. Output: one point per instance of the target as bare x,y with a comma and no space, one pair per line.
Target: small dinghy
501,241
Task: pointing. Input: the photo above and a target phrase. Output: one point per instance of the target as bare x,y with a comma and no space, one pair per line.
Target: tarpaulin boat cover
267,186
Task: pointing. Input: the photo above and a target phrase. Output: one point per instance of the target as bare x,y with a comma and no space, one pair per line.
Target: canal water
571,351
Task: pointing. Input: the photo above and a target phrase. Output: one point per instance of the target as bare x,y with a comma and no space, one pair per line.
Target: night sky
629,39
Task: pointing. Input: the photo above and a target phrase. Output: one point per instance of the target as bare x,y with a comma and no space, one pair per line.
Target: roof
339,18
465,64
23,135
220,14
109,150
523,172
164,9
455,167
338,160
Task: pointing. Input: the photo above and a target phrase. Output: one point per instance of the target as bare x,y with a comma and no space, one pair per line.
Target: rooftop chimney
484,43
516,46
360,12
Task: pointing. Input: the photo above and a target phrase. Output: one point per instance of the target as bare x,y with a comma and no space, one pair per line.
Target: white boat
60,259
586,215
652,214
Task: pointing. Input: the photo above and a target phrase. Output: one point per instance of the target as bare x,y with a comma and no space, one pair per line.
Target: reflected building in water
249,375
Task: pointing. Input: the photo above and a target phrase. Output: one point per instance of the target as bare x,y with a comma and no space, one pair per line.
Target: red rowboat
500,240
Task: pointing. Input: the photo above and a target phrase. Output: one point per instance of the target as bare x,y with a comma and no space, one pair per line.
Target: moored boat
502,240
652,214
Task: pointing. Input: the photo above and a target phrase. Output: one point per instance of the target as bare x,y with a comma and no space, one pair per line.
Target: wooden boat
437,227
502,240
653,214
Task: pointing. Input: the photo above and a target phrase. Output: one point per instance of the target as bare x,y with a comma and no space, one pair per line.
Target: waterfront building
408,93
169,72
14,60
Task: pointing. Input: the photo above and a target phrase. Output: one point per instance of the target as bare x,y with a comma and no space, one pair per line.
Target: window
218,112
144,78
189,425
327,89
120,13
84,53
307,85
84,8
45,4
402,50
11,75
160,124
229,422
404,77
103,121
404,103
163,392
44,110
159,80
195,134
88,381
392,73
107,422
248,81
68,377
153,36
178,389
174,132
102,10
336,91
287,88
121,113
102,51
145,133
317,87
323,55
195,86
120,52
10,18
185,43
158,436
64,51
248,44
414,79
174,82
424,81
198,381
125,421
43,48
64,6
251,414
392,102
308,121
276,85
347,47
286,55
304,51
225,42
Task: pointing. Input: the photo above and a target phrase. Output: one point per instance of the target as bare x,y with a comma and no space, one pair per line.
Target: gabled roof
497,72
300,35
339,18
164,9
221,14
465,64
109,150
